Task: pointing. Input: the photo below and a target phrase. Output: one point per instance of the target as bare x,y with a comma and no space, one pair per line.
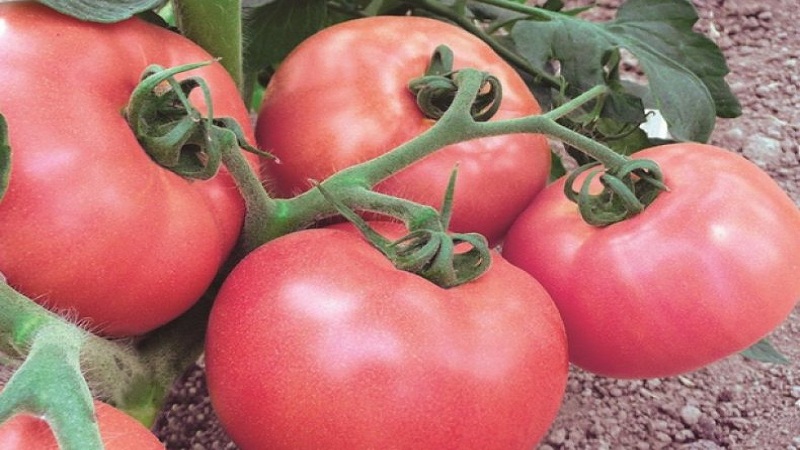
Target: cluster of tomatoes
316,340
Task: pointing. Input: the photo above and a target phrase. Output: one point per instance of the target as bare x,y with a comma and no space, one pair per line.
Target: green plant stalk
168,352
50,384
547,124
217,27
64,367
134,377
301,211
455,126
528,10
260,207
115,369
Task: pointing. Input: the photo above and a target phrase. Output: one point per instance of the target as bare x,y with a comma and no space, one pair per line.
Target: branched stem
261,208
138,377
50,384
456,125
59,358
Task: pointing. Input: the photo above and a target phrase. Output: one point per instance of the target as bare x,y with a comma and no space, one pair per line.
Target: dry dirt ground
733,404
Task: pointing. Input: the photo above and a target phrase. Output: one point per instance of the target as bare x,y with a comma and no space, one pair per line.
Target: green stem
509,55
428,250
311,206
456,125
413,214
50,384
116,371
51,381
547,124
175,134
531,11
217,27
578,102
261,208
168,352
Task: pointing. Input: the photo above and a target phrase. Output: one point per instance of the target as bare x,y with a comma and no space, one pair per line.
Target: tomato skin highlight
705,271
317,341
90,223
118,431
341,98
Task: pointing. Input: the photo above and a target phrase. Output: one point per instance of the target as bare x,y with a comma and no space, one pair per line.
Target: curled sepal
626,191
5,157
172,131
428,251
436,90
232,126
434,256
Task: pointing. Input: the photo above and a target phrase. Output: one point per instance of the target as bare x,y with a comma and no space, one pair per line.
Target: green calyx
436,90
432,255
627,191
429,250
173,132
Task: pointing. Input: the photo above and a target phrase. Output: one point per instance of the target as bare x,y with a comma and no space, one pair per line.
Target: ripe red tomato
705,271
341,98
118,431
90,223
317,341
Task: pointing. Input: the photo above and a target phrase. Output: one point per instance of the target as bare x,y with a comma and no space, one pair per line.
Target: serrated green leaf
685,70
764,351
5,157
272,30
670,31
103,11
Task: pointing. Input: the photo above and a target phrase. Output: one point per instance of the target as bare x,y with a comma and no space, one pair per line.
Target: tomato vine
61,366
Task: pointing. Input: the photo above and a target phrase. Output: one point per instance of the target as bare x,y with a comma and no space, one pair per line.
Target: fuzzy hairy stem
114,370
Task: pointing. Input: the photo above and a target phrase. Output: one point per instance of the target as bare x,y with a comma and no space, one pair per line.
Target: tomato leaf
104,11
764,351
685,69
273,29
5,157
